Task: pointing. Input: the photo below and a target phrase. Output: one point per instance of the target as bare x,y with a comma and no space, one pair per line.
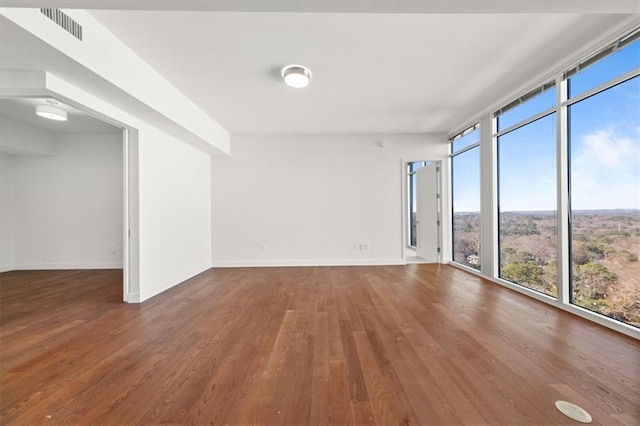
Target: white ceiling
349,6
372,73
23,110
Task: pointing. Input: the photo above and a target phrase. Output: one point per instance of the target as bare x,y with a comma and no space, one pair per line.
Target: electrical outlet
112,248
263,247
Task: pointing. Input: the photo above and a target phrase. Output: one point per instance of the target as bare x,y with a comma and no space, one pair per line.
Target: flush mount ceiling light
296,76
51,112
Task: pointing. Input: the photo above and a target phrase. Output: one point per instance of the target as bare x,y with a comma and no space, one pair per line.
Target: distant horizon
603,211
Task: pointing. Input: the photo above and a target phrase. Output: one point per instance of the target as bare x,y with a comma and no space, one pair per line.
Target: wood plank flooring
421,344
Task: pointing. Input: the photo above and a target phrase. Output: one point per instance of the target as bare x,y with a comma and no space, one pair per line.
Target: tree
529,273
591,280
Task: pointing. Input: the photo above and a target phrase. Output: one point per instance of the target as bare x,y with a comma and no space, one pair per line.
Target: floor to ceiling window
465,199
604,154
561,169
527,221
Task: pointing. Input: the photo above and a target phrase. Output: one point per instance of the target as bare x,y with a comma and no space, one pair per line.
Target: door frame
126,176
125,215
406,248
21,85
130,207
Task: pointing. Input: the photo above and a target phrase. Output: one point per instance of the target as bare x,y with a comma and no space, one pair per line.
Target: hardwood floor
421,344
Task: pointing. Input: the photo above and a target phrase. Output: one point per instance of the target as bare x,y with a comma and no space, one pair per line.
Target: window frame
601,88
452,154
489,178
497,136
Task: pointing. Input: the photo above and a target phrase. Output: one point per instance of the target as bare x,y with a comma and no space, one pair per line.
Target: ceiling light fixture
51,112
296,76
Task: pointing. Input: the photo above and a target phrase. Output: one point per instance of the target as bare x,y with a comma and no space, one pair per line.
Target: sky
604,147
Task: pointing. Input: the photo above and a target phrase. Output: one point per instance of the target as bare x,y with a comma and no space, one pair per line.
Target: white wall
170,193
307,199
169,197
67,208
65,211
21,139
6,213
175,212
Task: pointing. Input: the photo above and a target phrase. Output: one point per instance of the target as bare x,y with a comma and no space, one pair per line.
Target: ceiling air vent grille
63,20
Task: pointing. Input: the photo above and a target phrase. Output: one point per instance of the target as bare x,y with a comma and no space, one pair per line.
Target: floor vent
63,20
574,412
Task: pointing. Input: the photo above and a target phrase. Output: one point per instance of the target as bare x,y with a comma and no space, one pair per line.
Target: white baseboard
133,298
57,266
167,284
306,262
7,268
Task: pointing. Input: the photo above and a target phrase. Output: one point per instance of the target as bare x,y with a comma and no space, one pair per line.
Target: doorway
65,193
423,230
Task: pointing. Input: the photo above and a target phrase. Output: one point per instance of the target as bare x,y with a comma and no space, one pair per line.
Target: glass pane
527,206
466,207
412,210
531,107
605,199
416,165
610,67
465,141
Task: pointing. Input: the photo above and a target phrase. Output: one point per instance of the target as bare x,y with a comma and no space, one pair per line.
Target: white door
428,213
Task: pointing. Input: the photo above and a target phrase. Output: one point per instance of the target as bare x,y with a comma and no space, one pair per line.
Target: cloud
606,148
605,170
